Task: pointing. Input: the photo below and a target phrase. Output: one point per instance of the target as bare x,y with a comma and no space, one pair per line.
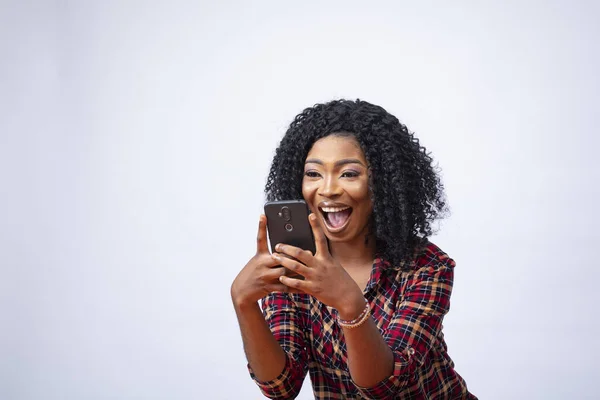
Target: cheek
360,192
362,196
308,190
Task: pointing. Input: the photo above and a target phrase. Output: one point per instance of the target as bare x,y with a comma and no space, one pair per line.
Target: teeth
334,209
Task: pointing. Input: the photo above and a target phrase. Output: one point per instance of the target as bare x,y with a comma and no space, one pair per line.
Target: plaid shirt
407,307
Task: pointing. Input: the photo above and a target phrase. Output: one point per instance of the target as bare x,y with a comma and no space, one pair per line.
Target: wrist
358,321
352,307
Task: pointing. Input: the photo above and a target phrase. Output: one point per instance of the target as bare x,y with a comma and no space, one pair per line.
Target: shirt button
411,351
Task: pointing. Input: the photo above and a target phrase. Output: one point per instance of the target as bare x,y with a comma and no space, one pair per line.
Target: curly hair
405,187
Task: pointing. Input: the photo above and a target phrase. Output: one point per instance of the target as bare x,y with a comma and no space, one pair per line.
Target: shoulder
432,272
430,264
430,256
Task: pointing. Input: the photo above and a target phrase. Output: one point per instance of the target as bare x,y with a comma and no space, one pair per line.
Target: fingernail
279,247
275,256
312,217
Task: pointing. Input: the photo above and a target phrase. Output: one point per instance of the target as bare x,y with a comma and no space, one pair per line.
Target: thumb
261,238
321,244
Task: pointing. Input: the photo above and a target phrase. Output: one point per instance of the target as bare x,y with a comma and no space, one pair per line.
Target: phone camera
285,213
289,227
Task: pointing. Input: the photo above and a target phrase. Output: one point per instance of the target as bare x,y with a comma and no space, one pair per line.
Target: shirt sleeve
415,327
284,320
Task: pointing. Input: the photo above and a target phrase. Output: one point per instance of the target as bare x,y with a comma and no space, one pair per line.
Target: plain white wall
135,138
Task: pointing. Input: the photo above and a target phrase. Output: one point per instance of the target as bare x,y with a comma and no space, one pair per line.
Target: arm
274,346
412,331
264,355
270,363
370,359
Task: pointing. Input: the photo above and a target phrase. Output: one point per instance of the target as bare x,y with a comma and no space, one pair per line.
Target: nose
330,187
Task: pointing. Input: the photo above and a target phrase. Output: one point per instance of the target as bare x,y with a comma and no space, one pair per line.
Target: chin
339,239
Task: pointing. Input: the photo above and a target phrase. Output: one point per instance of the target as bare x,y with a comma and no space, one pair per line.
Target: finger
261,238
304,256
276,287
320,239
267,261
295,285
292,265
273,274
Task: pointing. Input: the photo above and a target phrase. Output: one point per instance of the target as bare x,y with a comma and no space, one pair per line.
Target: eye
312,174
350,174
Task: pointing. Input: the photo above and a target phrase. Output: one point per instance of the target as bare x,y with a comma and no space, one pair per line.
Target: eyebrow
338,163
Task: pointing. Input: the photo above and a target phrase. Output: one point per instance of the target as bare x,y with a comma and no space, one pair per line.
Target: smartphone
287,222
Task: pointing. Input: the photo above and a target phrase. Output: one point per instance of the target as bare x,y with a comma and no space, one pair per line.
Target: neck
355,254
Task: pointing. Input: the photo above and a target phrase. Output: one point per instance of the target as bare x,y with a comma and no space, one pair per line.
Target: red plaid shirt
407,307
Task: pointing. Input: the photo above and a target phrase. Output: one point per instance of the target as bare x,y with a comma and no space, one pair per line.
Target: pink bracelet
358,321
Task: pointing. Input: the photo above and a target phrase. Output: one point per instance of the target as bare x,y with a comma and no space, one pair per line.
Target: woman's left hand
324,278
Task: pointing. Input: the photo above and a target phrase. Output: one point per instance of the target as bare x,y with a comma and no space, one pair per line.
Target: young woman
366,320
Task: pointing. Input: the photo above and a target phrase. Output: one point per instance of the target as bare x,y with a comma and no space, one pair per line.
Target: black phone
287,222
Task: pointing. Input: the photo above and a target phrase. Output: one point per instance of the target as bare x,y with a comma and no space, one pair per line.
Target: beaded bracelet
358,321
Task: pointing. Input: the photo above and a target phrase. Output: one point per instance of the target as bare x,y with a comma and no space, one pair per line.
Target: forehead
332,148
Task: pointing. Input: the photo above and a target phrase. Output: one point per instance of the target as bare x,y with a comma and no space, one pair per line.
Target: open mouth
336,218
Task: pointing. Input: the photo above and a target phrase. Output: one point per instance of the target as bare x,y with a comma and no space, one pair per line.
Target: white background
135,139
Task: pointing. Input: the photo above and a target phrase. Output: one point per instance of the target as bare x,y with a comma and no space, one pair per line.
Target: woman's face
336,187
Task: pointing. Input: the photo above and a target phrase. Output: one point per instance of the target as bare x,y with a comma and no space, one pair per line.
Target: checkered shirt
408,309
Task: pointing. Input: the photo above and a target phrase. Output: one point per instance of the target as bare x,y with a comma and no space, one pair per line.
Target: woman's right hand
261,274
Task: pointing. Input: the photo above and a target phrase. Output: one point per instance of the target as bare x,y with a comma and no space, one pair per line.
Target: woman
366,320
